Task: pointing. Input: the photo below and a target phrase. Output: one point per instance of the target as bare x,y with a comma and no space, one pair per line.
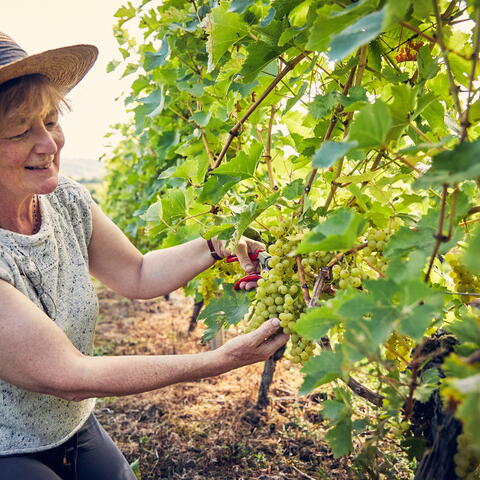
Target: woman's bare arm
36,355
118,264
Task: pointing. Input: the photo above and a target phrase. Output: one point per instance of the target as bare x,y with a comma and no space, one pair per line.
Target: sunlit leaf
356,35
371,125
225,28
453,166
321,369
227,309
330,152
338,232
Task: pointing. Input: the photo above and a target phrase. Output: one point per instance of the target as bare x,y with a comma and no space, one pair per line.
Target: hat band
10,52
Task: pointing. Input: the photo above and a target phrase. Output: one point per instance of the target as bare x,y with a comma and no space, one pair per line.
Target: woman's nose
45,142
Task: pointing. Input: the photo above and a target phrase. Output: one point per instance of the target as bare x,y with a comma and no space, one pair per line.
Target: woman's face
30,155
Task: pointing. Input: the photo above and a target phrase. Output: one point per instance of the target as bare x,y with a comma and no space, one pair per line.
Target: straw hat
64,66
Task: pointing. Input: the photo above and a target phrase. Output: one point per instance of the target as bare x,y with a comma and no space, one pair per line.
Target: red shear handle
234,258
254,277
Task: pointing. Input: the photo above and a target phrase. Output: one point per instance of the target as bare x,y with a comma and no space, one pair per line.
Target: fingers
220,247
243,258
248,285
266,330
253,245
276,342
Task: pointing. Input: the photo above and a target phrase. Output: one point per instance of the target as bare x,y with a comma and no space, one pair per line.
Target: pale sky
42,25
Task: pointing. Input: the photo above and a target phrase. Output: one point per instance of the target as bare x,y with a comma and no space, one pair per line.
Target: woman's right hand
253,347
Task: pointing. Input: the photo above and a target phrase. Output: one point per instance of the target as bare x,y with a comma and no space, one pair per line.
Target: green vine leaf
321,369
339,438
201,118
225,29
360,33
158,58
371,125
395,12
427,66
472,257
316,322
170,208
338,232
330,152
239,6
260,55
227,309
453,166
331,20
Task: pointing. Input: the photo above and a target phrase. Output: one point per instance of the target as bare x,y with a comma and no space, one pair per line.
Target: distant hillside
78,168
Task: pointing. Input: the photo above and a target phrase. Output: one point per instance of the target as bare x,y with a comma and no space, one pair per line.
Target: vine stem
338,171
473,210
328,134
303,282
268,148
453,210
377,160
406,162
235,131
210,154
464,121
380,273
444,49
439,237
419,132
419,32
320,286
339,257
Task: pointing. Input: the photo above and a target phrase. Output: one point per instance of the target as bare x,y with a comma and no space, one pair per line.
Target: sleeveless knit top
51,269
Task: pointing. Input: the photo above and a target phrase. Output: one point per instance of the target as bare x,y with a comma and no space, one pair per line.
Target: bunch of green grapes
467,459
300,349
207,288
373,252
346,274
464,280
278,294
313,261
228,272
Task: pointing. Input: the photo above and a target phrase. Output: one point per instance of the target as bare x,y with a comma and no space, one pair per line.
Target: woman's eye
19,135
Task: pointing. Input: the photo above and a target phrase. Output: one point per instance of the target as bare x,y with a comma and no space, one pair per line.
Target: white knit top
51,269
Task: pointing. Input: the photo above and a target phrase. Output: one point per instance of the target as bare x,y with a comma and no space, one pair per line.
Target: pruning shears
263,258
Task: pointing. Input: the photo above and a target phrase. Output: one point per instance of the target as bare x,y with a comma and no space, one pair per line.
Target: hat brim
64,66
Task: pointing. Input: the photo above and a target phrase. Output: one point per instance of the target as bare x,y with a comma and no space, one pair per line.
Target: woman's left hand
245,247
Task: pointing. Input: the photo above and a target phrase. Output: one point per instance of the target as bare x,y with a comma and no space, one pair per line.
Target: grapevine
346,136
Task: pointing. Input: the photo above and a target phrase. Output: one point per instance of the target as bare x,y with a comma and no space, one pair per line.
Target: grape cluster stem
303,282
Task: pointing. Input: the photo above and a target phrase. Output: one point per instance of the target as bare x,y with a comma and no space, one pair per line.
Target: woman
52,237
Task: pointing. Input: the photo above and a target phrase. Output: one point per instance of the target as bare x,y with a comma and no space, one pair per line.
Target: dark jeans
89,455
